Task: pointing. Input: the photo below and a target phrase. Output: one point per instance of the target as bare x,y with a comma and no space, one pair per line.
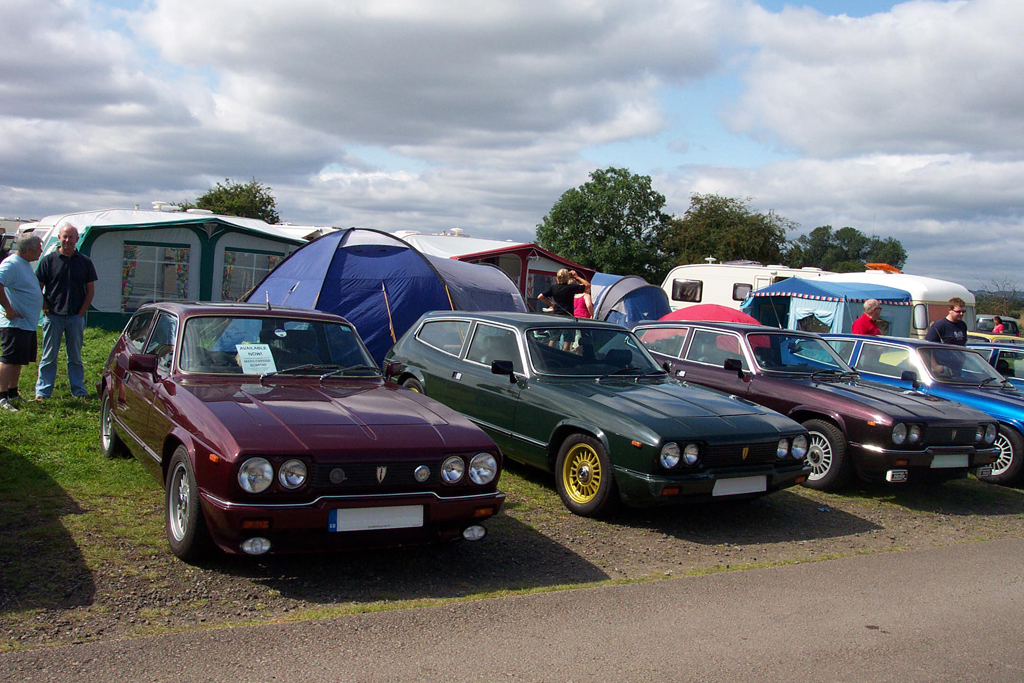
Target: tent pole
387,305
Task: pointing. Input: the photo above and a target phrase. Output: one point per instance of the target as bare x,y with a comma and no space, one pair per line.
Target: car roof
522,320
748,328
192,308
903,341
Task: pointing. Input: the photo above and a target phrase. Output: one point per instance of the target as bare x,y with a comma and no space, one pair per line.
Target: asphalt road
949,614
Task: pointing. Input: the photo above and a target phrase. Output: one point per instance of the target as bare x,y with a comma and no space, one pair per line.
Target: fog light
255,546
474,533
422,473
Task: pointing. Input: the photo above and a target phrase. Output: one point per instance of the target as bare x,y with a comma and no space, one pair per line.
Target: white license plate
370,519
985,471
733,487
946,461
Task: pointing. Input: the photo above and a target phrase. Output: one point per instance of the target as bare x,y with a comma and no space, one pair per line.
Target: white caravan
725,284
928,296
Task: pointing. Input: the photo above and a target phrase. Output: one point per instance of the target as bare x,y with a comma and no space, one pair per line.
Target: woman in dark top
559,295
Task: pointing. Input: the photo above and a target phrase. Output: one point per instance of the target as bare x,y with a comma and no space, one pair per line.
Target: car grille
719,455
944,436
353,477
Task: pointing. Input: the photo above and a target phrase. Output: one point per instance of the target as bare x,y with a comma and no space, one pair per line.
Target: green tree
246,200
728,230
614,223
846,250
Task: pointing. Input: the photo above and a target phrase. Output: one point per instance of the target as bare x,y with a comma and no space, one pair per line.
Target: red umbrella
711,312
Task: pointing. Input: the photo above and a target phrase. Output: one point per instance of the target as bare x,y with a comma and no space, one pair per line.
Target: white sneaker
6,405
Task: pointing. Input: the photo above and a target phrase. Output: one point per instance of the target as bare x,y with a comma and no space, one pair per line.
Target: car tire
110,443
584,477
828,457
1006,469
414,384
187,533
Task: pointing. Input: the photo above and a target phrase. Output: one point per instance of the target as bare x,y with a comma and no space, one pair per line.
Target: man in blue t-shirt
20,302
952,329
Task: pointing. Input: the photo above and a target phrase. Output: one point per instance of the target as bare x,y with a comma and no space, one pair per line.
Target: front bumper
639,489
303,527
872,462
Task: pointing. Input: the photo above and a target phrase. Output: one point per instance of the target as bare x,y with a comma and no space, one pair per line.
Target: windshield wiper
1002,381
831,373
360,366
296,368
628,370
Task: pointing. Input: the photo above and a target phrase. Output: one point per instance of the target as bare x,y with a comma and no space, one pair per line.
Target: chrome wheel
819,455
106,426
1005,458
178,502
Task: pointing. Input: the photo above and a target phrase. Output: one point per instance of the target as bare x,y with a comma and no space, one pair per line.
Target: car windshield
959,366
264,345
587,351
795,353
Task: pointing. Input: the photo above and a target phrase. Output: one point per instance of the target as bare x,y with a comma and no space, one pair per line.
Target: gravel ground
139,592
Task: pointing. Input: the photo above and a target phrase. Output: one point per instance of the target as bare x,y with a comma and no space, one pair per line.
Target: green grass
57,487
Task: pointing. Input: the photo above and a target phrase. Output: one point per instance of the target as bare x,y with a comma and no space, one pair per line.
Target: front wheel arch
1008,467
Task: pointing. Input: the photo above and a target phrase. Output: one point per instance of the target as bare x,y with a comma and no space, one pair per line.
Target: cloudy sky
899,119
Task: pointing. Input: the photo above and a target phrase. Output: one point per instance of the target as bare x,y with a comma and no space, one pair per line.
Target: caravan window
687,290
153,272
243,270
740,291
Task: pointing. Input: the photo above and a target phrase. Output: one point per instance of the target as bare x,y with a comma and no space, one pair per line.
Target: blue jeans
72,329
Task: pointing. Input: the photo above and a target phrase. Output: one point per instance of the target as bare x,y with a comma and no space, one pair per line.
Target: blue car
1007,359
956,373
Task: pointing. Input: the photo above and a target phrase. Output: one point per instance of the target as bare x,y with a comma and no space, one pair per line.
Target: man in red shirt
868,323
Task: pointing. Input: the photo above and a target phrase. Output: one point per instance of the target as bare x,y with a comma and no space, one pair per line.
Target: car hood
290,416
893,400
669,399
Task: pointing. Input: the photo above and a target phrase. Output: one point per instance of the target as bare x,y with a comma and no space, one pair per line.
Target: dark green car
584,400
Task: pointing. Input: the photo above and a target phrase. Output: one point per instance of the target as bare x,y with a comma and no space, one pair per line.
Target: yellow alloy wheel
581,473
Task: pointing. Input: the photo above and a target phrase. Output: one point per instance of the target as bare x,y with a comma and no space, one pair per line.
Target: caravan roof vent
199,212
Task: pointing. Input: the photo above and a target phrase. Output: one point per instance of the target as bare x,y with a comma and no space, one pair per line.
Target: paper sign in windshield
255,359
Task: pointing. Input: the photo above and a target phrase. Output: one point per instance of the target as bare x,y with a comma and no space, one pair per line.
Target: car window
591,351
136,329
254,345
794,353
491,343
444,335
714,348
161,342
958,366
890,361
1010,363
669,341
842,347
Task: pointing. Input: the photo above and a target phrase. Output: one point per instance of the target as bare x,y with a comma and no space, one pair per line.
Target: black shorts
17,346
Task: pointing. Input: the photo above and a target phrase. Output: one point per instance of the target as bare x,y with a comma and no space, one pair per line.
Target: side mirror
910,376
735,365
142,362
503,367
393,369
666,366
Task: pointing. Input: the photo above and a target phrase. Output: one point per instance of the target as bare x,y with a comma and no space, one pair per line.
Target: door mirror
142,362
393,369
735,365
910,376
503,367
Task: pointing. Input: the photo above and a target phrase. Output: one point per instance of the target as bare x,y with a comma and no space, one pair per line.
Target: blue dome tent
627,299
382,285
818,306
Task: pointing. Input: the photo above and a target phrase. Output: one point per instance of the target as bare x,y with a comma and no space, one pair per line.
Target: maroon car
857,428
273,431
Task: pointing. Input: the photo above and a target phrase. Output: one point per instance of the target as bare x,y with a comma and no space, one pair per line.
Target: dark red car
272,431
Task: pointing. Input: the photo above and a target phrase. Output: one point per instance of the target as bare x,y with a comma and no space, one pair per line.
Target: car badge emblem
337,475
746,450
381,473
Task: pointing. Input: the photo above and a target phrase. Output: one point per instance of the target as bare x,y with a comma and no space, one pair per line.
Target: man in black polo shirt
68,279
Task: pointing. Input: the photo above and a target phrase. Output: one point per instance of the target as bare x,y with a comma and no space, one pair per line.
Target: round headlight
670,455
422,473
990,433
979,433
799,447
691,454
899,433
292,474
914,434
255,475
452,469
483,468
782,450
